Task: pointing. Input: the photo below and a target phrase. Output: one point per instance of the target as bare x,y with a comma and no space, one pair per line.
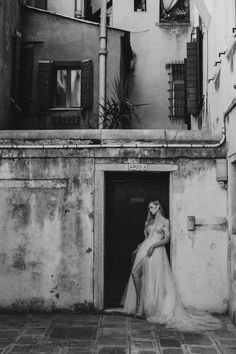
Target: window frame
68,66
172,19
174,105
137,8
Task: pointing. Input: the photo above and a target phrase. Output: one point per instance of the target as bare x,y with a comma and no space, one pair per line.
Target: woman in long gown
151,290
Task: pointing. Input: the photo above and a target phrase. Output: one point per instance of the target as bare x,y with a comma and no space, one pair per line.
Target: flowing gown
159,300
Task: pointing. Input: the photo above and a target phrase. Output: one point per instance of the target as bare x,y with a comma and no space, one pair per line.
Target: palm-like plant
118,110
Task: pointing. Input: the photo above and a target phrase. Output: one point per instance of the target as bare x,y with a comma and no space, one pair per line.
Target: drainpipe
102,60
118,146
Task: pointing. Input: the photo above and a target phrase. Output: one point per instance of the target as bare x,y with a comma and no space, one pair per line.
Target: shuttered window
194,74
45,85
87,84
65,85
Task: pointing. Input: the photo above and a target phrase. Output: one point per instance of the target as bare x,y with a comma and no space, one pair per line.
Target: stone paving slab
107,334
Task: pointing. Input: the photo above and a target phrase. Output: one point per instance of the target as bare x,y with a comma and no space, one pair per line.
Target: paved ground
109,334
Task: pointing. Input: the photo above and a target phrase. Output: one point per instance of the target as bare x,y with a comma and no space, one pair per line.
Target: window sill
174,24
65,109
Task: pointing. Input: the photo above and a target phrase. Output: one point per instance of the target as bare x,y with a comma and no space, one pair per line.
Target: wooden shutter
16,67
194,75
45,85
87,84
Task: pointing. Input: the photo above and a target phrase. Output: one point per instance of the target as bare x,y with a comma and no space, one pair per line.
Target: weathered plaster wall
200,256
47,222
231,128
9,15
46,233
218,38
154,46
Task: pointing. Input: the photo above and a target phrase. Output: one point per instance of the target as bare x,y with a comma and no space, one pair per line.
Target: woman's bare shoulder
165,220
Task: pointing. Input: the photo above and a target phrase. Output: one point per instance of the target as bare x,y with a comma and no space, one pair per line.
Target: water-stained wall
219,60
46,233
47,222
200,254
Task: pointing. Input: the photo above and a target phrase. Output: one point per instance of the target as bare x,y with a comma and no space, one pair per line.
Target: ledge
113,135
173,24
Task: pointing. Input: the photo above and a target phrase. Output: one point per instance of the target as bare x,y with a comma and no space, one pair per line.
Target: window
65,84
140,5
67,93
40,4
177,98
174,11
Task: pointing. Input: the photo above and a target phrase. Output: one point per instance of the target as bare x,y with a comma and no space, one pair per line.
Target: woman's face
154,208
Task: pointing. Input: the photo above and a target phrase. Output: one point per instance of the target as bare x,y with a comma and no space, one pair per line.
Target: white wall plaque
137,167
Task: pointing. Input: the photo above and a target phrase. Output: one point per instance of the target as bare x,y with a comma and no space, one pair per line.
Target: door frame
99,215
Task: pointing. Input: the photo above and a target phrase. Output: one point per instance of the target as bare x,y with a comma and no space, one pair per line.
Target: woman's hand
150,251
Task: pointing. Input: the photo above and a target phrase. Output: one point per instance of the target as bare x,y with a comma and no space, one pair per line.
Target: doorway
127,195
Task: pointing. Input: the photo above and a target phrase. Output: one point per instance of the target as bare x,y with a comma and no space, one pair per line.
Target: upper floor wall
71,8
219,43
60,70
159,33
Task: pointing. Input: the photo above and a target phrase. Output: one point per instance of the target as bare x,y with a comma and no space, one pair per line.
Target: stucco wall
154,46
218,38
231,128
47,224
200,256
46,233
62,7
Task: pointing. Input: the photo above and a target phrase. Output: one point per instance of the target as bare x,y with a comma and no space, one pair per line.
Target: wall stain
217,80
230,56
3,258
213,246
20,215
18,260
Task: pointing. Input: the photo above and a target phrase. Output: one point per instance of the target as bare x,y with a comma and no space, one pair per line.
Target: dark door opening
127,196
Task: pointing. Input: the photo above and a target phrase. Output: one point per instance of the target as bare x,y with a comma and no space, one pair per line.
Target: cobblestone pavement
106,334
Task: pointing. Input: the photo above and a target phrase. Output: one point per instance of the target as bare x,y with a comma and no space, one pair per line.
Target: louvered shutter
87,84
194,75
45,85
16,67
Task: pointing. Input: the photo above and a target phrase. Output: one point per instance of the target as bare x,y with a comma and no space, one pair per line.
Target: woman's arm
145,233
164,241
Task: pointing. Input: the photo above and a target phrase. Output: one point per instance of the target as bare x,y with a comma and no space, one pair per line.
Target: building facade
75,199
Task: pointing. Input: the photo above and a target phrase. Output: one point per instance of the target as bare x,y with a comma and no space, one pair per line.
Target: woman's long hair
149,215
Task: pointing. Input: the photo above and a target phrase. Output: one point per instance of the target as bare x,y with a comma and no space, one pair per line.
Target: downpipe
102,60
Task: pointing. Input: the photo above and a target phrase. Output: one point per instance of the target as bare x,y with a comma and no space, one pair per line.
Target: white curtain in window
169,4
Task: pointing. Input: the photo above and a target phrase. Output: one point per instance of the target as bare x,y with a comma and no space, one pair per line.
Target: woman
151,290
